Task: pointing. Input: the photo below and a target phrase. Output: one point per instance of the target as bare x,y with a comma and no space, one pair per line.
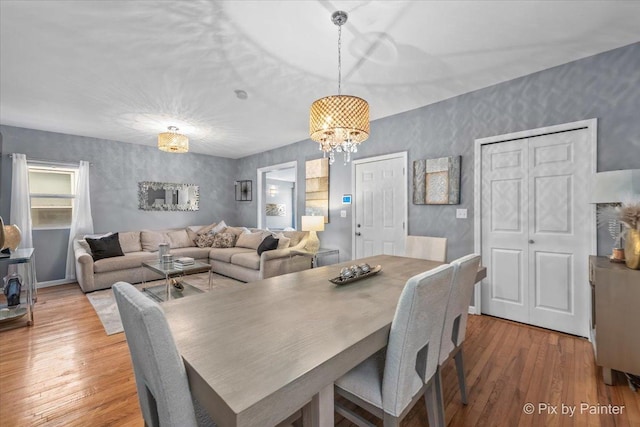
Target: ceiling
125,70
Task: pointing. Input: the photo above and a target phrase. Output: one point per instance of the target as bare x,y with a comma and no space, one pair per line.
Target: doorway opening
277,196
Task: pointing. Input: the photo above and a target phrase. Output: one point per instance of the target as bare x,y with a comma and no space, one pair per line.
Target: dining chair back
426,247
161,378
388,385
455,323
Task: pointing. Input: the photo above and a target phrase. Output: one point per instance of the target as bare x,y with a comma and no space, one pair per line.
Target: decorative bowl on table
354,273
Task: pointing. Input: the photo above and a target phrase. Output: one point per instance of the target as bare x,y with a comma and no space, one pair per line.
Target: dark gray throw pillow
105,247
269,243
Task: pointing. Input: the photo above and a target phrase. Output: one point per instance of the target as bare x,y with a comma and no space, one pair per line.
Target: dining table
259,352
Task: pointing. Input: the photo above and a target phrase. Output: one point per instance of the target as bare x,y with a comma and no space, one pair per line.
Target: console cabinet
616,316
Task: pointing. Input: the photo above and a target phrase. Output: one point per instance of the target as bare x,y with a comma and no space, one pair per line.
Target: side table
319,259
10,314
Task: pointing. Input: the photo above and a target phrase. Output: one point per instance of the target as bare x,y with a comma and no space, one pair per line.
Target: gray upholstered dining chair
391,381
426,247
161,379
455,322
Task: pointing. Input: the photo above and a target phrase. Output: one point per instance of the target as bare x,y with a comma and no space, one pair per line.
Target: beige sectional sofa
241,263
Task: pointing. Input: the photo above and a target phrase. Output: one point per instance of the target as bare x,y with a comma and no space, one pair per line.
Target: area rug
104,303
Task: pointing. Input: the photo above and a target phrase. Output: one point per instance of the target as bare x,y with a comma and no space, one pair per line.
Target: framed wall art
244,191
437,181
317,188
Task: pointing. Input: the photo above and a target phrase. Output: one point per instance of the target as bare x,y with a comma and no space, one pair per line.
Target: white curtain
81,221
20,201
20,213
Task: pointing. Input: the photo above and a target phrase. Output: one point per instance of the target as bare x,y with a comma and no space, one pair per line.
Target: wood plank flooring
65,371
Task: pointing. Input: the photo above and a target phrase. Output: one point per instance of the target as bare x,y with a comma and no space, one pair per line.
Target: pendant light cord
339,59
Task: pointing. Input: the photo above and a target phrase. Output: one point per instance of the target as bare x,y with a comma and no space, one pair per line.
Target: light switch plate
461,213
343,214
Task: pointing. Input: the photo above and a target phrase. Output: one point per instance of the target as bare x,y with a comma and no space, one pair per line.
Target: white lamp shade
312,223
616,186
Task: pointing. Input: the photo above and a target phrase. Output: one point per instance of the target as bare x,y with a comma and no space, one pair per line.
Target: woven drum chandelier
172,141
339,123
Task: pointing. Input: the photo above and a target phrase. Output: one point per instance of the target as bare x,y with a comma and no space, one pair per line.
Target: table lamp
313,224
611,189
10,238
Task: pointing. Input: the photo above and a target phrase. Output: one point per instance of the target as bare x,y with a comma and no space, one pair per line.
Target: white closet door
505,231
535,230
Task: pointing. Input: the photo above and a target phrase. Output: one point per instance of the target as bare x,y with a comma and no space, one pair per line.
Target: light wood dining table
258,352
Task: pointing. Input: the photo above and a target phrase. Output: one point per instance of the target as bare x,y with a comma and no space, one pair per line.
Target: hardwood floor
66,371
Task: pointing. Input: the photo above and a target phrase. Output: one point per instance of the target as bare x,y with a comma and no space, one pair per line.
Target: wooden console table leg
607,376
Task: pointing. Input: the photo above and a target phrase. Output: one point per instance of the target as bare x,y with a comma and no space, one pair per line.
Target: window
52,190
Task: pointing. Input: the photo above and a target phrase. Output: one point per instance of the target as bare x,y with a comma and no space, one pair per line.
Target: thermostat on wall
346,199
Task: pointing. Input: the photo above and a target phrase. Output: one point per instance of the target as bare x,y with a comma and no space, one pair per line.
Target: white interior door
380,207
536,230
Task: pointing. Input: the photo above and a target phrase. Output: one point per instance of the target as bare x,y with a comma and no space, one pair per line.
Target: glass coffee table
159,292
169,270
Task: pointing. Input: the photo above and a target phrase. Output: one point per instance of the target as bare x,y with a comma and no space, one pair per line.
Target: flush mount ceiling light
172,141
339,123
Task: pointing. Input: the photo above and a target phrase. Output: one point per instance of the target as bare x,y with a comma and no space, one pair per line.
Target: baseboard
54,283
472,309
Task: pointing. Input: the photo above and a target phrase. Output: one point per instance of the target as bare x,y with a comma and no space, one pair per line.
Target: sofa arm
275,253
84,267
283,261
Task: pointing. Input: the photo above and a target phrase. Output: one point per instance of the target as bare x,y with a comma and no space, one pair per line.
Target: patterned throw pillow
224,240
205,240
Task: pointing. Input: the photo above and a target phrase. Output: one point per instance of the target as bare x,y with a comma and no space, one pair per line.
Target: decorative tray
341,281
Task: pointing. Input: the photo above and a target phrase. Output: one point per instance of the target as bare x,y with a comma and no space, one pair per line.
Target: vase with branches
629,216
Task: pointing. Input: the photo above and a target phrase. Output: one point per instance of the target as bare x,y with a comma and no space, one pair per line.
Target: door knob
358,234
531,241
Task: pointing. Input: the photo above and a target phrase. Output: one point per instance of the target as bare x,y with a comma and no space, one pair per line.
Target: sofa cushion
130,241
250,240
193,236
295,236
151,239
269,243
237,230
130,260
179,239
283,242
225,254
224,240
105,247
248,260
193,252
84,245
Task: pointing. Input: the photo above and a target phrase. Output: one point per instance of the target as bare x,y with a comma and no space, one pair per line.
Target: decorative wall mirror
317,188
167,196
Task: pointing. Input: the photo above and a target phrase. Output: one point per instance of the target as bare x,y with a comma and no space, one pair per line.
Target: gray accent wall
604,86
116,169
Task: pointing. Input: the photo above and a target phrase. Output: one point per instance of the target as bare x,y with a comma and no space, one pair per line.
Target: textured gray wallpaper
605,86
116,169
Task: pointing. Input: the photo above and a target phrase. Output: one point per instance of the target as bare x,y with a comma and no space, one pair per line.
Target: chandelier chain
339,59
